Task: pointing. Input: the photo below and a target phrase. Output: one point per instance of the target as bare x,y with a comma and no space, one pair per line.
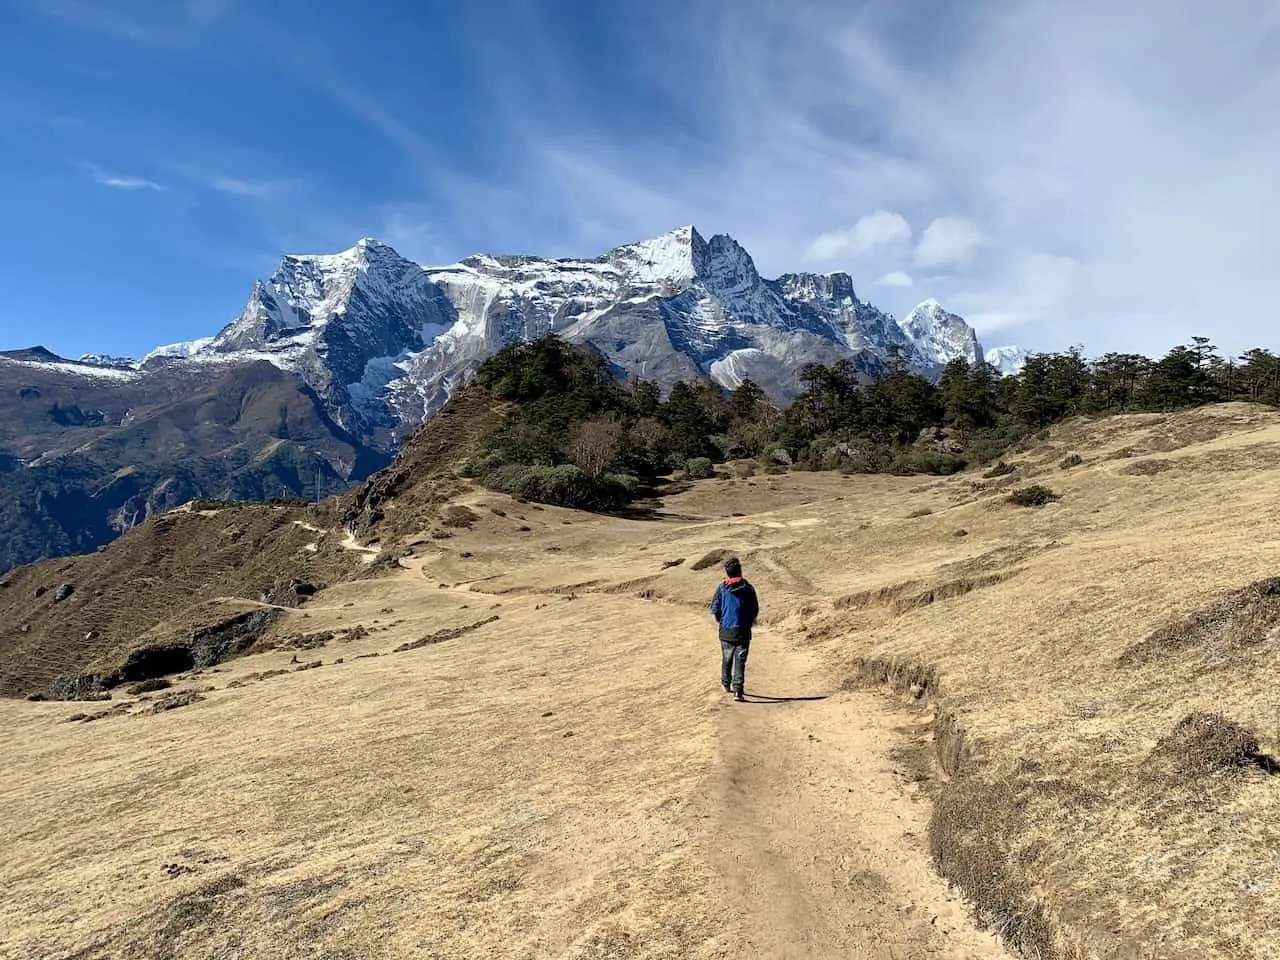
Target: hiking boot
739,696
727,688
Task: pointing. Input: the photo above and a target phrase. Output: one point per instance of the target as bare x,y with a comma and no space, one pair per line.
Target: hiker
735,608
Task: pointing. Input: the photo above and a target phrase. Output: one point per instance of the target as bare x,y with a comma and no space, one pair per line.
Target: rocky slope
385,341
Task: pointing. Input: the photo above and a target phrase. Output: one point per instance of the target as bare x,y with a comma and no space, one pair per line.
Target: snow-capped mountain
384,341
1007,360
941,335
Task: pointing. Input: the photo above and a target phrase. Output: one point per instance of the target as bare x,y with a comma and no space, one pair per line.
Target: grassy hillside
514,743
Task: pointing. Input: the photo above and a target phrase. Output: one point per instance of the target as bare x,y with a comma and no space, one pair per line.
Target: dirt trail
562,777
819,832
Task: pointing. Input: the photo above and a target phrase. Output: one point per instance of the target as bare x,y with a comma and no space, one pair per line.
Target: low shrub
1074,460
990,445
562,486
931,462
456,516
1001,469
699,468
711,559
150,686
1035,495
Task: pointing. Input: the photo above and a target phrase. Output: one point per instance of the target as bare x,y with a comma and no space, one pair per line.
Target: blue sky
1092,173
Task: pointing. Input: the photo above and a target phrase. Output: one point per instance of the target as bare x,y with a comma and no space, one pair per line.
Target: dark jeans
733,663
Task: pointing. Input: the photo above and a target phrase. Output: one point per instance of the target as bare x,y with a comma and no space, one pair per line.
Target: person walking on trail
735,608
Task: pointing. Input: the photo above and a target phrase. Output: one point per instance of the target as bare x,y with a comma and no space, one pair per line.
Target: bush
562,486
1035,495
927,461
458,516
699,468
150,686
989,445
624,481
1001,469
1074,460
865,458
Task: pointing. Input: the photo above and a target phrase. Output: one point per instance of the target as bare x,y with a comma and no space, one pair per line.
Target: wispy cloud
878,229
148,23
896,278
1062,167
1030,136
241,187
102,18
947,241
119,181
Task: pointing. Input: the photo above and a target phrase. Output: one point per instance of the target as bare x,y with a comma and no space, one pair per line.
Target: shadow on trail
764,698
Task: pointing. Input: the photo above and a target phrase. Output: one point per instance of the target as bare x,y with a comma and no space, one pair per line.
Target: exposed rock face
385,342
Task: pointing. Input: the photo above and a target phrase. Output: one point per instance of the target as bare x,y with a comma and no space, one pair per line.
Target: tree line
578,436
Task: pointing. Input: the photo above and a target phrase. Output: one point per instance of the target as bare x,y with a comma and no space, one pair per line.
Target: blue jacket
735,606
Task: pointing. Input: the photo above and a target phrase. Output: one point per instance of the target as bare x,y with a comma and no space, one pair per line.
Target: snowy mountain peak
672,258
940,335
385,341
1007,360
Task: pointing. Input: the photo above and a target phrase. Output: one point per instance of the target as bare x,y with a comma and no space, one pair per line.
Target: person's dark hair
733,567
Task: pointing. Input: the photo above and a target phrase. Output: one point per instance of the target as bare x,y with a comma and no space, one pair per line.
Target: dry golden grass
568,781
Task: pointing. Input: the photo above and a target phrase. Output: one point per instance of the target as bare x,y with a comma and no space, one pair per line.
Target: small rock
549,713
64,590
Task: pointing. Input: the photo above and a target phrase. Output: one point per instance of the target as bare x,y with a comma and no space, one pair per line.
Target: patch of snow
79,369
729,371
1007,360
672,257
183,350
102,360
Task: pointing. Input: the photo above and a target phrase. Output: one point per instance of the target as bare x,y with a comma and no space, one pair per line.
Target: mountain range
336,358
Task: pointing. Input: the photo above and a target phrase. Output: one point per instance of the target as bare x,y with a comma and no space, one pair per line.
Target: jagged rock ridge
385,341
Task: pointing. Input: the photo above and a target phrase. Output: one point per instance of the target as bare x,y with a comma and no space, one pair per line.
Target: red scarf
730,581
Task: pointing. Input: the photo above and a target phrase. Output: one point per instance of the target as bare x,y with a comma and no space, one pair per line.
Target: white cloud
248,188
130,183
119,181
1123,199
896,278
1071,132
877,229
947,241
243,188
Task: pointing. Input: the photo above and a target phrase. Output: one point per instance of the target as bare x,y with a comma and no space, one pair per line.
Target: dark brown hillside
402,498
193,568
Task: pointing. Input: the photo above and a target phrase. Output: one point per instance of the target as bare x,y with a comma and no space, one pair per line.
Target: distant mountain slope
86,456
